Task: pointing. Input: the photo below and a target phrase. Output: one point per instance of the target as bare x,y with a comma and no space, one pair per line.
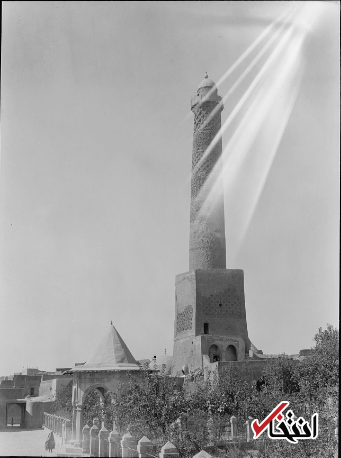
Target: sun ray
283,18
267,65
252,64
260,130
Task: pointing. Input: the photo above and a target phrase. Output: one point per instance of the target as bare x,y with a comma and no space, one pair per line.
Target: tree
320,370
311,386
62,405
148,405
196,413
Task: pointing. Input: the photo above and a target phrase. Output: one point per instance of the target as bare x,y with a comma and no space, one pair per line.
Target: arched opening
231,353
16,412
96,403
14,415
206,328
214,354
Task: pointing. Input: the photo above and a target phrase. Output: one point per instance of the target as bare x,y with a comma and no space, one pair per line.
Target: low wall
6,384
35,412
45,377
249,370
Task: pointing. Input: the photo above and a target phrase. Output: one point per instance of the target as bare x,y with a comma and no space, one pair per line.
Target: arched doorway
214,354
16,411
231,353
96,401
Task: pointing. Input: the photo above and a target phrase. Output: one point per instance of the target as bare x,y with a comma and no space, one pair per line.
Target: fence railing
98,441
59,425
104,443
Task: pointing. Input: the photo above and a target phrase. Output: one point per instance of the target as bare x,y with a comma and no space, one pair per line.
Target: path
24,442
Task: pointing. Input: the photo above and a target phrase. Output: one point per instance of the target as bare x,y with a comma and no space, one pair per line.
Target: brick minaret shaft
207,247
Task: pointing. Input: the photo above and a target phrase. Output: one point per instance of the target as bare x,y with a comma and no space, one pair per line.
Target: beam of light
253,121
266,67
283,18
255,60
260,132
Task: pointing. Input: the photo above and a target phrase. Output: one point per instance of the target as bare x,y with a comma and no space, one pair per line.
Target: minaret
210,318
207,248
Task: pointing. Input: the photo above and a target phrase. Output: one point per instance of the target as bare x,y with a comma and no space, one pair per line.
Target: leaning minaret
207,228
210,318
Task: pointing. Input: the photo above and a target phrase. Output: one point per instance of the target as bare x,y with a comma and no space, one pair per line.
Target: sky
96,159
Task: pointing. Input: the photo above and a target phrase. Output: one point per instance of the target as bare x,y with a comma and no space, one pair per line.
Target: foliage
320,370
62,406
148,404
92,407
311,386
194,413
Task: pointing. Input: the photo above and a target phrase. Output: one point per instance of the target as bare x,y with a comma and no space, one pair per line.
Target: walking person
50,443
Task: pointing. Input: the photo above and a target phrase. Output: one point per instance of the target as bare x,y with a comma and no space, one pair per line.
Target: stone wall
35,412
51,387
29,383
6,384
54,376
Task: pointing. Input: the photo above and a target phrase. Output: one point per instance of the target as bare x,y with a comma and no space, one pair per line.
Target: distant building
60,370
27,395
30,371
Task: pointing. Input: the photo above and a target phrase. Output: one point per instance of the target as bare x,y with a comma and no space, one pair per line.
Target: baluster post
103,436
169,451
129,446
202,454
249,431
86,439
144,447
64,431
233,421
94,441
68,430
114,440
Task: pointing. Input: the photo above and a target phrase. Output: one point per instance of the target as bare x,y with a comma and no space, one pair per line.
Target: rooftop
112,354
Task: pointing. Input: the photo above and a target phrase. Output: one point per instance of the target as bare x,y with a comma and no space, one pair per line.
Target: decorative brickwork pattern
184,319
225,304
207,232
203,135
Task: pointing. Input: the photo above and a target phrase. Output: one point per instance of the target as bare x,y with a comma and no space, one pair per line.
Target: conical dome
111,354
206,82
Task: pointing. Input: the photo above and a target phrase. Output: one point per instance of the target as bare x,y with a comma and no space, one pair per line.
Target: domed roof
206,82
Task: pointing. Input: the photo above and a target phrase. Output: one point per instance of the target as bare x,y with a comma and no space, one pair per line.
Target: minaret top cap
206,82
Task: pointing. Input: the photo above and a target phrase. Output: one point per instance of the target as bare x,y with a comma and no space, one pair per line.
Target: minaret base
210,319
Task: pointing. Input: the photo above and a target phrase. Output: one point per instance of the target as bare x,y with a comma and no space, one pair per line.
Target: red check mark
258,429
